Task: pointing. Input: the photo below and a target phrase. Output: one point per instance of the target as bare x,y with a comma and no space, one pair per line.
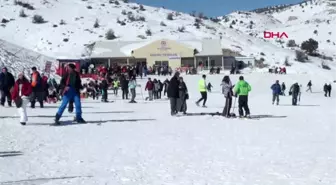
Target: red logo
271,35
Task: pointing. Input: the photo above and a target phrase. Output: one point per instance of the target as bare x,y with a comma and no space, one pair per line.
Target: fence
18,59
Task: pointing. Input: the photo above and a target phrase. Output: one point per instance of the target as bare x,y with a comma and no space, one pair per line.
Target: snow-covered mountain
63,27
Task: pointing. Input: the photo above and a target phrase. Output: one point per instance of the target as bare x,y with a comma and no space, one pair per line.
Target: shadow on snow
42,180
299,105
70,123
10,153
219,114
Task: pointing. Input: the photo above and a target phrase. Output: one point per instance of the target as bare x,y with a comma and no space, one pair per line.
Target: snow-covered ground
142,144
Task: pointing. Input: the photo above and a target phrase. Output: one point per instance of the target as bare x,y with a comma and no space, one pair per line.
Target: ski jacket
283,87
21,88
295,89
66,82
124,84
149,86
276,88
36,80
325,88
242,88
202,87
132,84
309,84
227,89
173,88
7,81
156,86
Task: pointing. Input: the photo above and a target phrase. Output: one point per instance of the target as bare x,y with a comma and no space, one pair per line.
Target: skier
309,85
132,85
295,92
329,89
20,94
183,97
242,89
203,90
283,89
124,87
325,89
227,91
173,93
71,85
7,81
37,84
209,86
150,88
276,89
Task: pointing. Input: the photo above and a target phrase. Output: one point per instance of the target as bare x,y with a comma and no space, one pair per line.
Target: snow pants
204,97
104,95
227,107
275,97
70,95
150,95
294,98
23,109
243,104
125,94
173,106
6,94
133,94
37,95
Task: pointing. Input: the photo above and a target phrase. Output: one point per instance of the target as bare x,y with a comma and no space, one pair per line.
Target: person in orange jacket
37,85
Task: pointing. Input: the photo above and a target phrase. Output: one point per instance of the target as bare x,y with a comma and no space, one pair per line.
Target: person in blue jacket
276,89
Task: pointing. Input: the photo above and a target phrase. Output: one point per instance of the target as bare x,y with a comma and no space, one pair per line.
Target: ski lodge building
174,53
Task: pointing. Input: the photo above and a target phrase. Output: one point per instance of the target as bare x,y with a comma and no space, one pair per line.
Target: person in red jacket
20,94
150,88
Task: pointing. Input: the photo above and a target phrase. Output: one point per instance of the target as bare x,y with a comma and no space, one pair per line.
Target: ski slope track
67,40
128,144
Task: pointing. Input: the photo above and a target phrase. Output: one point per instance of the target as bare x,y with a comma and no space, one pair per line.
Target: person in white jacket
20,94
227,92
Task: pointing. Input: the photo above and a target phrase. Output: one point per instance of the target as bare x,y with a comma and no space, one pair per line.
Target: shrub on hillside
116,3
315,32
109,35
125,1
38,19
142,37
325,66
200,15
141,18
231,26
286,63
123,12
198,20
24,4
181,29
148,32
131,17
141,7
241,22
170,16
215,20
310,46
328,41
96,24
89,7
233,22
262,54
122,23
291,43
162,23
62,22
197,25
251,22
301,56
22,13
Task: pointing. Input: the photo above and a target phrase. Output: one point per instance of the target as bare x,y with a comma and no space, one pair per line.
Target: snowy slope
141,144
68,39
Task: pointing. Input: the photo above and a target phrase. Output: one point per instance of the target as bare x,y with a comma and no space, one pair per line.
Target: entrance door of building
162,63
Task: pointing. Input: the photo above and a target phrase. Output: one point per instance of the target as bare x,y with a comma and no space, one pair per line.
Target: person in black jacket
295,92
124,87
71,85
325,89
7,82
183,96
104,87
173,93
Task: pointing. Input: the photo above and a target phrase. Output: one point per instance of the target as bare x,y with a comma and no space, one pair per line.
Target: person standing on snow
309,85
242,89
202,86
38,91
209,87
7,81
329,89
227,92
71,85
20,94
124,87
173,93
104,86
150,88
183,97
166,84
276,89
132,85
161,89
283,89
115,87
295,92
325,89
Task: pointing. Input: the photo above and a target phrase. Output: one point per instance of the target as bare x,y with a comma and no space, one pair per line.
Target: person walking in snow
276,91
283,89
227,92
183,97
202,87
20,94
132,85
150,88
38,91
71,85
173,93
325,89
242,89
309,85
295,92
7,82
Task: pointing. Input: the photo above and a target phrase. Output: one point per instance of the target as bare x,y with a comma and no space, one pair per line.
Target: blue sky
213,7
